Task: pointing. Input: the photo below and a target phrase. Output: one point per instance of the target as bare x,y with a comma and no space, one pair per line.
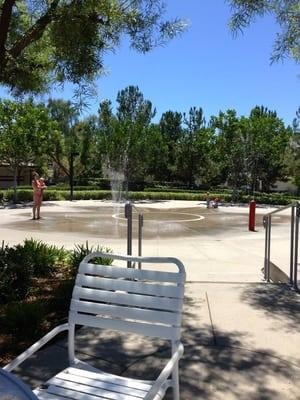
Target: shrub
163,196
8,195
20,263
93,193
25,319
44,259
82,250
172,190
55,195
60,301
25,195
15,273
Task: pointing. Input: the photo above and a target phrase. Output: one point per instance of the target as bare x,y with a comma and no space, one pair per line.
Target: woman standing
38,186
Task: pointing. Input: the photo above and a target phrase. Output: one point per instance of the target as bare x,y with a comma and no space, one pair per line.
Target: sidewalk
241,336
241,342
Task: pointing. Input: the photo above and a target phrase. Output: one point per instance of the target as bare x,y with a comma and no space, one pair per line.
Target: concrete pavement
241,342
241,336
217,248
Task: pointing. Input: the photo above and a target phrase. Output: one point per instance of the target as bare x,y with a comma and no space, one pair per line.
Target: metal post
128,215
252,206
292,245
140,233
266,226
72,155
269,247
296,247
71,175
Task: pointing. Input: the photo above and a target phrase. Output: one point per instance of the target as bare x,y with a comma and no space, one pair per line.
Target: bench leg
175,382
175,377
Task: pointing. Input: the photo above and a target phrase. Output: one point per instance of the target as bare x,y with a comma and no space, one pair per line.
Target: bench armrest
35,347
166,372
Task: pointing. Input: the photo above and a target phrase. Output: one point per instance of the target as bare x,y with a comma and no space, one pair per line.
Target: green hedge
275,199
180,190
25,195
65,188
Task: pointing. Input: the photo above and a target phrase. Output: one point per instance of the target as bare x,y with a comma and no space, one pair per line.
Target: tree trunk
19,176
5,18
15,185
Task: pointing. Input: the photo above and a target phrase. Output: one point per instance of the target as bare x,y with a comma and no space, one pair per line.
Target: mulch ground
54,297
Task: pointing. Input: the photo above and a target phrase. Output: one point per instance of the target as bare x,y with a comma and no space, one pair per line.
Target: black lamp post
72,155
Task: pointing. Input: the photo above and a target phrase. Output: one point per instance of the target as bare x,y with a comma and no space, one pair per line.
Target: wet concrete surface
110,222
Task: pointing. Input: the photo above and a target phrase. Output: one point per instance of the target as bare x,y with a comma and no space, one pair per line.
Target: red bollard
252,207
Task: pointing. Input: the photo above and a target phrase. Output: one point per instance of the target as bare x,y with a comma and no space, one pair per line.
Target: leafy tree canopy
125,133
287,14
46,41
25,129
132,106
66,142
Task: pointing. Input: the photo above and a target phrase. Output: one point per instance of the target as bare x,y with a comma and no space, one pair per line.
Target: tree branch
35,32
4,25
60,164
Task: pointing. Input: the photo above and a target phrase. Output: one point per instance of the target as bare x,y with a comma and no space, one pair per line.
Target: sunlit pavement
241,335
214,244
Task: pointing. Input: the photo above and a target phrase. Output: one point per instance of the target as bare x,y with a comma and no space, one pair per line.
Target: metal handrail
281,209
128,214
294,236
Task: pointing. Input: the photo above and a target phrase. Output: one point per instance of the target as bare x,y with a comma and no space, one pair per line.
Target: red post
252,207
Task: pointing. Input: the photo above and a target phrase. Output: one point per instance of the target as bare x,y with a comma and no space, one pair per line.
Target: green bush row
181,190
25,195
272,199
159,189
34,259
64,188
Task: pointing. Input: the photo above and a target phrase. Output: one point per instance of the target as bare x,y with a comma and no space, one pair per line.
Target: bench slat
161,290
117,380
163,317
96,384
137,300
159,331
119,272
43,395
78,391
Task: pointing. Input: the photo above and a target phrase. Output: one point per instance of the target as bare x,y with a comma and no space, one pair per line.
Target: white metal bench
145,302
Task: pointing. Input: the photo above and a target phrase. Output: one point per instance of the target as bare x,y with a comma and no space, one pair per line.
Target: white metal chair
144,302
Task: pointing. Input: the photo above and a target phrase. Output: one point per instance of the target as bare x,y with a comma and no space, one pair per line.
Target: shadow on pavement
208,370
278,300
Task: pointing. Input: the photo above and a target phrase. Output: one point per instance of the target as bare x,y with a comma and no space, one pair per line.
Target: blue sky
205,67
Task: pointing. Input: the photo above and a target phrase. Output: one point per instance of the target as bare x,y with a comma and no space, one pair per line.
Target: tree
171,129
64,141
230,148
155,157
296,122
193,161
267,141
124,134
89,160
292,156
132,106
251,150
111,142
287,14
43,41
25,129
